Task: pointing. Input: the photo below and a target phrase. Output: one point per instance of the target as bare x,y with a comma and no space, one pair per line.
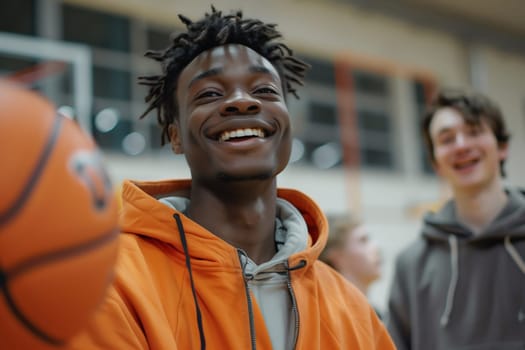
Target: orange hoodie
156,303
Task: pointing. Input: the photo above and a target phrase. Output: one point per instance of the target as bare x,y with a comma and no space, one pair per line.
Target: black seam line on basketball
60,254
45,259
35,176
27,323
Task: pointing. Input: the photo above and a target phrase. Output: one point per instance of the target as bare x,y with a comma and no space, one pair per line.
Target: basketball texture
58,224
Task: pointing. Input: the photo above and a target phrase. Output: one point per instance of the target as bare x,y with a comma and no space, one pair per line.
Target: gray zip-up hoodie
453,290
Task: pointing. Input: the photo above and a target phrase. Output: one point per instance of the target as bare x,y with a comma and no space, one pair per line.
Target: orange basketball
58,224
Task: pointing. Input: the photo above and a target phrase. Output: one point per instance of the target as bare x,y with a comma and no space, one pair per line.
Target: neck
242,215
361,285
477,209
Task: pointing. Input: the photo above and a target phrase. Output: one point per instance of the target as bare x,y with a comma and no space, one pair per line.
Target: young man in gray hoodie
461,285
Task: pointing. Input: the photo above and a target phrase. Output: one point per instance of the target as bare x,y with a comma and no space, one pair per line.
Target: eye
474,130
445,139
363,239
208,94
266,90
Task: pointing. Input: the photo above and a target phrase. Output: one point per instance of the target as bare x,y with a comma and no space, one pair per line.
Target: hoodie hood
509,223
143,214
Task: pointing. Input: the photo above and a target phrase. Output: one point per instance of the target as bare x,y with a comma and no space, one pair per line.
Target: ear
176,142
503,150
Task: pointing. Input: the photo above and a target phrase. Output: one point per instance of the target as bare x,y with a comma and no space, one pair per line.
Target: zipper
295,310
246,278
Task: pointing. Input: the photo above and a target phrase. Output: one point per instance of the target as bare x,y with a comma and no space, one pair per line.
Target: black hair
215,29
474,108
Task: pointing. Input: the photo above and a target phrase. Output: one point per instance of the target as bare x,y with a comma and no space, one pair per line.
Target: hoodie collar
145,215
509,222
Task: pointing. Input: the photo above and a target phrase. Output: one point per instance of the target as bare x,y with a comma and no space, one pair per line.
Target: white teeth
461,165
225,136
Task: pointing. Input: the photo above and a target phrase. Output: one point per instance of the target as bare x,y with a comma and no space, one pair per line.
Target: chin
229,177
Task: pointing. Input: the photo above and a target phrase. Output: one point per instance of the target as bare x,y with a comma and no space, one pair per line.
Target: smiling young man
461,284
227,260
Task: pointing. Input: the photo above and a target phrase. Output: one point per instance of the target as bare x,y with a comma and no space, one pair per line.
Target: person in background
226,259
461,284
351,251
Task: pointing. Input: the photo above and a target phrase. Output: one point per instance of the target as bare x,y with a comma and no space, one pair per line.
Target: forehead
360,231
232,57
445,119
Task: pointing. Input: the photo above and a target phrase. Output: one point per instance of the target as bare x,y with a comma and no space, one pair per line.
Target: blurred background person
460,284
351,251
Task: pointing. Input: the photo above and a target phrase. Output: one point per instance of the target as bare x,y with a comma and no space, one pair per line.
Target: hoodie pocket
512,345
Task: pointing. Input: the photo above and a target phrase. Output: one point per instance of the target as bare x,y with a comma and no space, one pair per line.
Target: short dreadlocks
211,31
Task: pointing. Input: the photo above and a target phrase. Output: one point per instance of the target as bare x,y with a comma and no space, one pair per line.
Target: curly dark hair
474,107
215,29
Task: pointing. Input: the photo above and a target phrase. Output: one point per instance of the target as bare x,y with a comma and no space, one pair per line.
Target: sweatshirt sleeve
383,340
112,327
398,317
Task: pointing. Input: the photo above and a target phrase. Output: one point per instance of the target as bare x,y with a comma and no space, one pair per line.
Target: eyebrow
443,131
260,69
206,74
217,71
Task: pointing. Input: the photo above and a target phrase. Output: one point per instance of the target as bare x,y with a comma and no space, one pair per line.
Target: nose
462,141
240,103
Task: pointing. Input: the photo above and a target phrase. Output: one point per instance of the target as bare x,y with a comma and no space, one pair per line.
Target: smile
465,164
241,133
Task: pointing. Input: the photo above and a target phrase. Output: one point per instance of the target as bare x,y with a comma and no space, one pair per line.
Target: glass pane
373,120
324,155
376,158
370,83
155,134
419,92
95,28
419,97
322,72
12,65
157,38
323,113
111,83
113,139
17,16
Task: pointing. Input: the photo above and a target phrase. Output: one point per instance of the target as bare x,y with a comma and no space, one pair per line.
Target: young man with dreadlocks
227,260
461,285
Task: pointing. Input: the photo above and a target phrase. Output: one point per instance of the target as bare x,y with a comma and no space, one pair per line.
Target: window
375,138
111,83
109,37
321,72
98,29
112,139
11,64
157,39
421,101
374,120
316,118
18,17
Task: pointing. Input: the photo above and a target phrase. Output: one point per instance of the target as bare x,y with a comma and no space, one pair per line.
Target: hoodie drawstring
514,254
454,267
188,266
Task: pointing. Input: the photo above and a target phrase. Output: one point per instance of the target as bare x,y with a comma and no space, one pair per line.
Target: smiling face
466,155
233,121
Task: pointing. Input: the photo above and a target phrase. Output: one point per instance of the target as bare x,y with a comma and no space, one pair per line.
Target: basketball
58,224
